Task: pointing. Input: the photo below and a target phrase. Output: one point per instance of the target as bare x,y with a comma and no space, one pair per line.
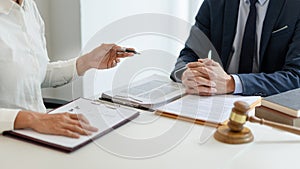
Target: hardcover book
276,116
287,102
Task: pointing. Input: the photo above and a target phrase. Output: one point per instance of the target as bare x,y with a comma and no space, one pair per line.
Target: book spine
283,109
269,114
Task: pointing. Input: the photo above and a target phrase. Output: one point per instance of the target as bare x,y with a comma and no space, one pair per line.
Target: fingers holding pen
112,56
117,52
123,52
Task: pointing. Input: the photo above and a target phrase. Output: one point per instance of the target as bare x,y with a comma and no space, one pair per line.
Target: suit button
260,94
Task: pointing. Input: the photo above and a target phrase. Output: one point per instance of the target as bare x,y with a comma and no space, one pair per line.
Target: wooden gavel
235,132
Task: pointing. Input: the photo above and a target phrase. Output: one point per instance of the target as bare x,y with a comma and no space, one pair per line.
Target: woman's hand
103,57
65,124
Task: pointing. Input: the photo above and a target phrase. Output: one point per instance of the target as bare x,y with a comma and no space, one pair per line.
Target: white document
100,115
148,92
215,109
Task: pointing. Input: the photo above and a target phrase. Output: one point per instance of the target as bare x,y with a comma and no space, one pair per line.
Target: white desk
271,149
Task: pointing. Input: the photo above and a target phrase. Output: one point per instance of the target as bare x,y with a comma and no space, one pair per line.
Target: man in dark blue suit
258,42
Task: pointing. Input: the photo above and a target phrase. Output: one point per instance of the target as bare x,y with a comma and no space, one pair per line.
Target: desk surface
156,142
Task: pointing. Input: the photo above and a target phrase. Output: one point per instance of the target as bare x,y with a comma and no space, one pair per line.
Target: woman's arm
103,57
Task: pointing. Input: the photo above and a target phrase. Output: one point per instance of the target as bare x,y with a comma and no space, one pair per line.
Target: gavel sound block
235,132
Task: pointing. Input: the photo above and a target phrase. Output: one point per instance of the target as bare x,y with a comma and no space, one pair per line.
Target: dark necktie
249,41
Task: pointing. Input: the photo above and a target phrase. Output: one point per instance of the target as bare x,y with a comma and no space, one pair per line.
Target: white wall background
97,14
70,24
63,33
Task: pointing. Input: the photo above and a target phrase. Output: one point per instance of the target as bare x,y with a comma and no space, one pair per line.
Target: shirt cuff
238,85
75,72
60,73
7,119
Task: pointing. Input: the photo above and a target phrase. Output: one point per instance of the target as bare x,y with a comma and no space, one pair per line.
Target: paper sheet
214,109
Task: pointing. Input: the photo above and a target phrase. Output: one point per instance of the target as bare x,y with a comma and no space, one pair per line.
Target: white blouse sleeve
7,119
60,73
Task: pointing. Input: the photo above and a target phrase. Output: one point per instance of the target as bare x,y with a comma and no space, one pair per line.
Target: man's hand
103,57
207,78
197,81
65,124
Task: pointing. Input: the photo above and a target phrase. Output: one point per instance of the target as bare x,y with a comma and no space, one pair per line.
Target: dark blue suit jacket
279,50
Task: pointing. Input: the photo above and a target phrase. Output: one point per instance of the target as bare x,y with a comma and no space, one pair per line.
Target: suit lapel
229,29
274,10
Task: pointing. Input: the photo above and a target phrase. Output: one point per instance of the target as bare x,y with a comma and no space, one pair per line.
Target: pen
209,55
132,51
124,49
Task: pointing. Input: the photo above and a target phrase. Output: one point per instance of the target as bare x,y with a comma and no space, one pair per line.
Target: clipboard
69,145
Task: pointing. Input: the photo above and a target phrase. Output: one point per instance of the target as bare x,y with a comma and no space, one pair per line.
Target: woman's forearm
25,119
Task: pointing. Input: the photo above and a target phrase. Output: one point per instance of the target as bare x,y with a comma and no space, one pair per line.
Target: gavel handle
284,127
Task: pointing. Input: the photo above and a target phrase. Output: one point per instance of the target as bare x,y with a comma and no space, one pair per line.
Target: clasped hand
207,77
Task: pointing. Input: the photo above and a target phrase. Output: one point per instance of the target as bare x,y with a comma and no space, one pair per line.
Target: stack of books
282,108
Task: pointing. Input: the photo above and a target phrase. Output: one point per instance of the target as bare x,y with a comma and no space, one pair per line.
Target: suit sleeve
288,78
188,54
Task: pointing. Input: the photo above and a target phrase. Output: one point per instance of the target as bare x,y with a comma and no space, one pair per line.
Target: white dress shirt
24,62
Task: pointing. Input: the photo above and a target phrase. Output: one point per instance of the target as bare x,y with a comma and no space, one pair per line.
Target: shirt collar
7,5
261,2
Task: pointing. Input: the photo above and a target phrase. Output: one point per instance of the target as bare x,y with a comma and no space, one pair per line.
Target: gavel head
239,116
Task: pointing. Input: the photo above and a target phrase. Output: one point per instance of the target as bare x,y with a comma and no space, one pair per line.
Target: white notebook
104,116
